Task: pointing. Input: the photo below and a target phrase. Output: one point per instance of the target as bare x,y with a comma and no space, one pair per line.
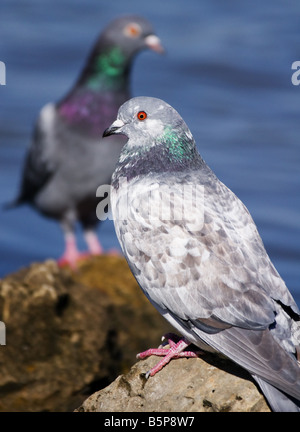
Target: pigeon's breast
151,218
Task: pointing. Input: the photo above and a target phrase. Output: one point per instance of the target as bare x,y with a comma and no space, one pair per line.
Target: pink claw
176,350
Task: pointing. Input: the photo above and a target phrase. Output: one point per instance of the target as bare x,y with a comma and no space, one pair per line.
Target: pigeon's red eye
133,30
141,115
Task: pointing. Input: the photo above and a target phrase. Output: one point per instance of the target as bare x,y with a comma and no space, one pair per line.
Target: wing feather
206,259
40,160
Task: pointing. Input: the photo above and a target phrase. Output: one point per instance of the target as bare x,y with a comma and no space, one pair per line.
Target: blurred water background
227,70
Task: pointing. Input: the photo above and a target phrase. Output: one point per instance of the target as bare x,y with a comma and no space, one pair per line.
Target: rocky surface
207,384
70,333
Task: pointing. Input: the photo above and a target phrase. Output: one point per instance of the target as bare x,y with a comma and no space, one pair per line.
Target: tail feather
278,401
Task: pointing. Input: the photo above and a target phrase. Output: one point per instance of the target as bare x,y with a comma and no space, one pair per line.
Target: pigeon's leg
177,346
91,238
71,254
92,242
89,224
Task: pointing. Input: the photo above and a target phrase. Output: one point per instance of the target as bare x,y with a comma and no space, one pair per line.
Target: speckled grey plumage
67,159
204,268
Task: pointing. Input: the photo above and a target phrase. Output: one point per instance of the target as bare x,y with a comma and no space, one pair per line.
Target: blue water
227,71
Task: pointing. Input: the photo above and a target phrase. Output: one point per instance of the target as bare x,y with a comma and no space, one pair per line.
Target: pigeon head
158,137
149,118
131,34
111,58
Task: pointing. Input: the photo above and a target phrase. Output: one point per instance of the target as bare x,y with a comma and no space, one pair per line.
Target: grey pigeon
67,159
197,255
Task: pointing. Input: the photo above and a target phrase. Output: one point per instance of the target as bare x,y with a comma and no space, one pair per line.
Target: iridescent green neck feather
109,70
180,147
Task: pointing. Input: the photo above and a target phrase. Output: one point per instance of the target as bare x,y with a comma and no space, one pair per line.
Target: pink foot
71,255
176,350
72,261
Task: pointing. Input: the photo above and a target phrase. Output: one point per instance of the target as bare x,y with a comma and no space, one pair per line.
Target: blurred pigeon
67,160
197,255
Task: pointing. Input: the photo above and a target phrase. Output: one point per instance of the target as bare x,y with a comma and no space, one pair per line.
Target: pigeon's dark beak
114,128
153,42
109,131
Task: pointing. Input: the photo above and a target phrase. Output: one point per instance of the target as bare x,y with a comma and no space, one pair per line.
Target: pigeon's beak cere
154,43
113,129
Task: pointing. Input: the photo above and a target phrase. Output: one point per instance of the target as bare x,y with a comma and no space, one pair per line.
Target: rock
137,323
70,333
210,383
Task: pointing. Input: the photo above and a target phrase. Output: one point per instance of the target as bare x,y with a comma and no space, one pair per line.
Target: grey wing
204,260
40,160
256,351
278,400
259,353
